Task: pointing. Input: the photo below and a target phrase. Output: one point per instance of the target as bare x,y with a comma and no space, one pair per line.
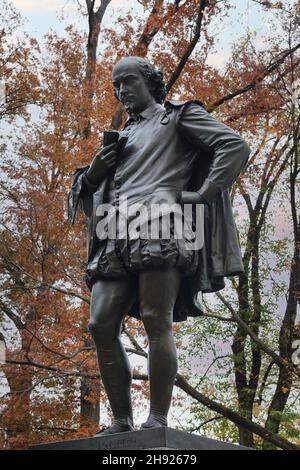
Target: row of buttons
117,179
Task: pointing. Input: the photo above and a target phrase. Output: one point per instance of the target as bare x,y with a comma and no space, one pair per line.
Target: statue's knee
156,323
103,332
94,327
97,330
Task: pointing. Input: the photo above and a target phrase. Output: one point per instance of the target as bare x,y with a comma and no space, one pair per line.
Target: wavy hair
154,79
152,76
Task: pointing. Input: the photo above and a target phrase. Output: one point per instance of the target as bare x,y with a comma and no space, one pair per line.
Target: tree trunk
285,378
90,412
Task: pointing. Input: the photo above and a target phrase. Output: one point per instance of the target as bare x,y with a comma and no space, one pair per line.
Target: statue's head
137,83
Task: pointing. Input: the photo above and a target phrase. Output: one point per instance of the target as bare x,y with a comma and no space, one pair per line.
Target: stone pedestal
148,439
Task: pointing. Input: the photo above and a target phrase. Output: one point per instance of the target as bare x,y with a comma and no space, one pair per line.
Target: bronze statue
174,153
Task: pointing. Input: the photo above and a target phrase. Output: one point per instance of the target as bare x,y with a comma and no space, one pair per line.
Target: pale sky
43,15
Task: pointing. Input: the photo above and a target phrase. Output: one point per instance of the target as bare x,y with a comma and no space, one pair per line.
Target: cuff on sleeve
209,191
88,185
75,193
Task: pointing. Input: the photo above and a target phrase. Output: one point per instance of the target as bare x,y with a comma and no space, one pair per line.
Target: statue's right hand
102,162
107,155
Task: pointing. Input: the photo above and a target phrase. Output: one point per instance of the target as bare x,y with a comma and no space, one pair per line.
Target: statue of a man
175,153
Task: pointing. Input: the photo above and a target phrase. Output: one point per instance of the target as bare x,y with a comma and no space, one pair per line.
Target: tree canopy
240,362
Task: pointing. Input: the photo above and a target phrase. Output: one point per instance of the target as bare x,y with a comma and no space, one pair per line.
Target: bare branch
149,30
134,342
101,10
277,359
268,70
234,417
89,5
215,418
264,381
202,5
191,391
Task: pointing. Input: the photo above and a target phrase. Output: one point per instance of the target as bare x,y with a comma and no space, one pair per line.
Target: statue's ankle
155,419
126,422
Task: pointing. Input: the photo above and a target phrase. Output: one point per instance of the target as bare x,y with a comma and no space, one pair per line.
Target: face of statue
130,86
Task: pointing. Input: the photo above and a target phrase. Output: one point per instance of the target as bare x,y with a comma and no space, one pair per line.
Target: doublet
171,148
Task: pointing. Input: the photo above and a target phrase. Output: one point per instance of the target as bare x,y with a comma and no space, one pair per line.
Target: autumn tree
51,375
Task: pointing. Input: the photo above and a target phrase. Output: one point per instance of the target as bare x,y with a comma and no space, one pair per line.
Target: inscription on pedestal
147,439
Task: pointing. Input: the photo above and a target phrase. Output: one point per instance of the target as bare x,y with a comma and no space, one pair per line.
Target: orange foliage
42,257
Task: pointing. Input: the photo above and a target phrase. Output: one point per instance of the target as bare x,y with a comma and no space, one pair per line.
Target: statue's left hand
191,197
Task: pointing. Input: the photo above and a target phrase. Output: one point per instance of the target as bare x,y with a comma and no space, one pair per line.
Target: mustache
124,96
